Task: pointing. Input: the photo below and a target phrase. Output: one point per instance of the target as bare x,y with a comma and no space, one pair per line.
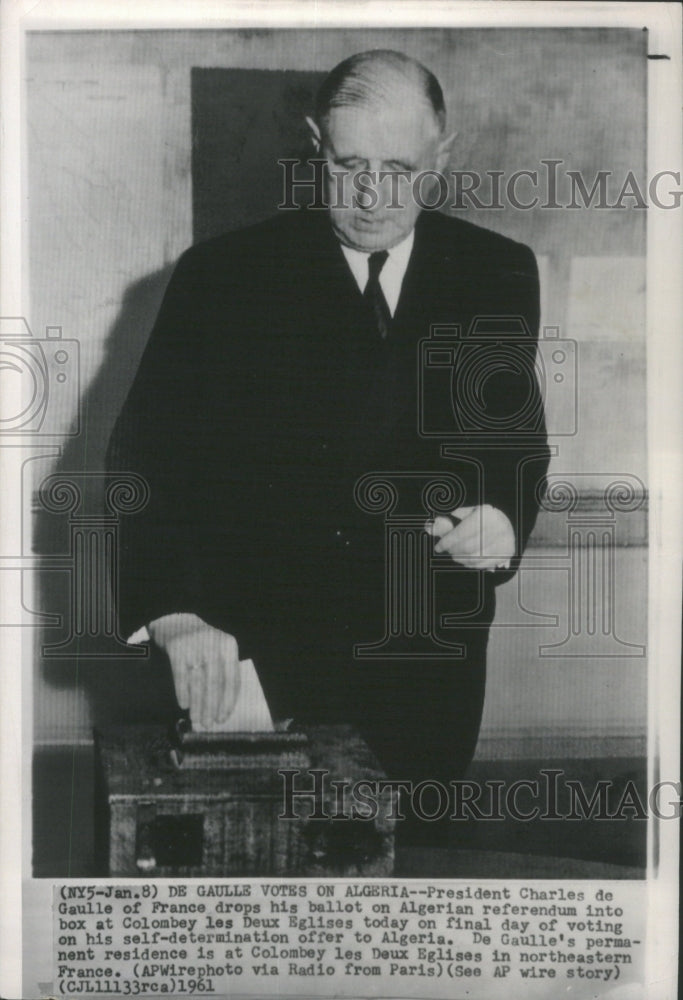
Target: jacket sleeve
155,436
514,454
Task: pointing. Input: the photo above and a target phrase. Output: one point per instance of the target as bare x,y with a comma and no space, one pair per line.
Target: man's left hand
483,538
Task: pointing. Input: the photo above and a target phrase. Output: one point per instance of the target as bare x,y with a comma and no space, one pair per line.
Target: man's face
373,156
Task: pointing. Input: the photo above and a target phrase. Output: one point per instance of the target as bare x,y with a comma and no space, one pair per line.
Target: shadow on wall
243,121
118,689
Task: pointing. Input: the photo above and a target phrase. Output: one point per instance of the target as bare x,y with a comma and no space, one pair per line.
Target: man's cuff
142,635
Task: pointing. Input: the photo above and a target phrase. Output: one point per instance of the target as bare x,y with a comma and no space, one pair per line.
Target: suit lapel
437,287
373,383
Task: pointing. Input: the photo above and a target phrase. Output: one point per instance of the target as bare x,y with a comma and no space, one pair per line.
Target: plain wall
109,200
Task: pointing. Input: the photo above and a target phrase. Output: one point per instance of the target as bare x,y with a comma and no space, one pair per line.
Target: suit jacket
264,397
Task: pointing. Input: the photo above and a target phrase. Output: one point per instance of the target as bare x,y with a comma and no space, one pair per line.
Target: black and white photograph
341,530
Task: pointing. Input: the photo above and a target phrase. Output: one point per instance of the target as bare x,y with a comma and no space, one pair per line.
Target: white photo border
665,363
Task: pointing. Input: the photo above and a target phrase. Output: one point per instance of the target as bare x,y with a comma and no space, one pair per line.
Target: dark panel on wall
243,122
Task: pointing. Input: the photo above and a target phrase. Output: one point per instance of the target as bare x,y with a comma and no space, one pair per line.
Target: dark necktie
374,295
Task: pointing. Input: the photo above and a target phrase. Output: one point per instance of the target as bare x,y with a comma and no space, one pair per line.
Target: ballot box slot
208,751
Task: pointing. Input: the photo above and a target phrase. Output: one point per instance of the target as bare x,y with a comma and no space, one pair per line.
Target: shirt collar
398,255
393,272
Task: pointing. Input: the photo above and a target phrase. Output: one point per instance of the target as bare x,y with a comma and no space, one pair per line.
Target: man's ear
443,151
315,134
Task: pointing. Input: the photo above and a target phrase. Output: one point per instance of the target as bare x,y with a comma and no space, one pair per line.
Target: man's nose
377,186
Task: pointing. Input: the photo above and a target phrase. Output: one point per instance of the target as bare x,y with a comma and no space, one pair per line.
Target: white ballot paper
251,713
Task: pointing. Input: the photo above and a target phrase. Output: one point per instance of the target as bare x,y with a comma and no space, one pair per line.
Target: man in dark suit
282,374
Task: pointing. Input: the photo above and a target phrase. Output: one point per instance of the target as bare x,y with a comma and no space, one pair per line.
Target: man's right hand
205,665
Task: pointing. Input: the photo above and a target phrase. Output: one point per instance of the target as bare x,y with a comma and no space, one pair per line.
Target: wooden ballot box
174,803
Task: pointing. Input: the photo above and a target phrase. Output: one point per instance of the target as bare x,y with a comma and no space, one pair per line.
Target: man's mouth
368,221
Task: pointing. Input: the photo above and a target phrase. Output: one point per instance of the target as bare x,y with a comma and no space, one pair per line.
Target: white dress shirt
392,274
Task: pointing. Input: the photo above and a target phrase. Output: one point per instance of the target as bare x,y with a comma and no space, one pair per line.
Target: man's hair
371,78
